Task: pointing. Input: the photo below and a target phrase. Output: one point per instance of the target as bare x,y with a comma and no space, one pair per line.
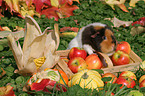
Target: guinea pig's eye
104,37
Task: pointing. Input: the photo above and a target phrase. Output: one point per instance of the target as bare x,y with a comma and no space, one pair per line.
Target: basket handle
107,59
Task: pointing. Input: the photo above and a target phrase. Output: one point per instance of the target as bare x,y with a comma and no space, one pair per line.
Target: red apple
76,64
77,52
141,78
128,74
142,84
93,62
113,80
130,83
120,58
123,46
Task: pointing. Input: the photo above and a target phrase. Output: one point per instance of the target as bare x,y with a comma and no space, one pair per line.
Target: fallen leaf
29,3
16,5
119,3
55,3
7,91
1,2
1,29
3,73
123,7
40,86
64,29
71,1
118,23
67,10
47,84
39,4
133,2
137,30
25,10
51,13
141,22
6,28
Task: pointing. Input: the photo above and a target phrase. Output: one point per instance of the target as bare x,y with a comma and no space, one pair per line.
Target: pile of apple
127,78
79,60
121,55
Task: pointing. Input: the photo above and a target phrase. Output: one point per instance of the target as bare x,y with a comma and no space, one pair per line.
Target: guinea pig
95,37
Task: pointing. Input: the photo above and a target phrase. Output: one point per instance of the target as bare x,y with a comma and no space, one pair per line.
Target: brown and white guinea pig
95,37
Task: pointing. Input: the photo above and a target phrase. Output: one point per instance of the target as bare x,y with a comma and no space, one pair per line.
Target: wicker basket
135,61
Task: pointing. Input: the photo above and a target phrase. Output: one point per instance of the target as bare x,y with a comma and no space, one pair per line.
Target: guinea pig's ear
95,35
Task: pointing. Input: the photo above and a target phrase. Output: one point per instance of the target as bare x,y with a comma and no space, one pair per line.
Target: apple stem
118,56
85,76
76,63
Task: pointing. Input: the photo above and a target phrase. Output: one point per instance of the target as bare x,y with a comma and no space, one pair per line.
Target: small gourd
87,79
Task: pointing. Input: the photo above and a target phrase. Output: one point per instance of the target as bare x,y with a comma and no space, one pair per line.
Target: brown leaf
137,30
3,73
118,23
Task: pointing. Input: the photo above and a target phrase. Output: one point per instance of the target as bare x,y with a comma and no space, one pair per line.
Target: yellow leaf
27,10
111,3
122,1
133,2
16,5
13,4
54,3
119,3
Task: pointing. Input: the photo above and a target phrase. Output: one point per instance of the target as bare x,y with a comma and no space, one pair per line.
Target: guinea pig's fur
95,37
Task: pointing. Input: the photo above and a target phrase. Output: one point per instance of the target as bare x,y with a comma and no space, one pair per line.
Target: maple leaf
71,1
66,10
141,22
39,4
51,13
29,3
24,9
1,2
55,3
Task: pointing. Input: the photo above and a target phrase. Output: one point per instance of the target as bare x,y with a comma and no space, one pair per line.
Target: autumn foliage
51,8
